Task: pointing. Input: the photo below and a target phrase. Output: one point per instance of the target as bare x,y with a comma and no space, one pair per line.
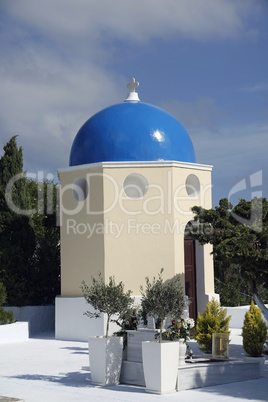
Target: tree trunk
161,330
253,289
107,326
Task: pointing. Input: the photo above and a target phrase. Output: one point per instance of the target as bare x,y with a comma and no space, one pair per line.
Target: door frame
190,273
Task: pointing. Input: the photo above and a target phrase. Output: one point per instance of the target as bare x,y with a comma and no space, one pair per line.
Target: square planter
160,366
105,358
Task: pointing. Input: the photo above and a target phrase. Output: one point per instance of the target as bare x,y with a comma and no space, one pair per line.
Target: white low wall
16,332
72,324
238,315
40,318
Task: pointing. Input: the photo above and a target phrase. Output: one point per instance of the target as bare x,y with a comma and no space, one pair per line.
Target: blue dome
131,131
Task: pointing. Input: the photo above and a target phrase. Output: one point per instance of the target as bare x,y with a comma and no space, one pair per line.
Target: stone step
198,375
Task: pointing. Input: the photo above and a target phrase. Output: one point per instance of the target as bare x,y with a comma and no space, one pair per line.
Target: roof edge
187,165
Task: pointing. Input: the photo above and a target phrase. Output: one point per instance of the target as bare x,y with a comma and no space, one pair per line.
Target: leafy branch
110,299
161,298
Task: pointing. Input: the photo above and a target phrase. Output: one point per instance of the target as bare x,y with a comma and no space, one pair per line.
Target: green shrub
6,317
254,332
213,319
3,295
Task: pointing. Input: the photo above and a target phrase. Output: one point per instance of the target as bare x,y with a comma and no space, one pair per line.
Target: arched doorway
190,272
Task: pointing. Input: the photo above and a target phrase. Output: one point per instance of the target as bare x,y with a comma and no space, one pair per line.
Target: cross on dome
132,95
132,85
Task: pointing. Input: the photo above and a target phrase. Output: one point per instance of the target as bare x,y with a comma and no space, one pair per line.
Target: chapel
125,206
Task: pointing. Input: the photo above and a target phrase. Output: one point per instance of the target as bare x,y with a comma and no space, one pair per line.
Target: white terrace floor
45,369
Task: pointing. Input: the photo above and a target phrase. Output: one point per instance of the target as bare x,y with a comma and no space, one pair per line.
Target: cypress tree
254,332
29,236
11,164
17,240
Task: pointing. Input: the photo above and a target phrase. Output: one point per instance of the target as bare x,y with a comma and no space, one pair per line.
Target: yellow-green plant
213,319
254,332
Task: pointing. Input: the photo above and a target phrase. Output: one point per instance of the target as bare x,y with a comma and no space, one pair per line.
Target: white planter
182,352
160,366
260,360
105,359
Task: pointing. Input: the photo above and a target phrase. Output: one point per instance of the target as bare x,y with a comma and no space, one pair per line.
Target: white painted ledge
40,318
16,332
136,164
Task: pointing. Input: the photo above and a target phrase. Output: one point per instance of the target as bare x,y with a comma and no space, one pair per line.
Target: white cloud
202,112
45,102
263,86
232,149
55,63
235,153
139,21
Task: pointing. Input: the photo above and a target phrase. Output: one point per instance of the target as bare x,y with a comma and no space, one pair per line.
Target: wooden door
190,275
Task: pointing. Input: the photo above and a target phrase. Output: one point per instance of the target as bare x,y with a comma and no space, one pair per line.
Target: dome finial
132,85
132,95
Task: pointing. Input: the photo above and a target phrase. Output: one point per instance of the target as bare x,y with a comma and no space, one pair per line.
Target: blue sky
206,62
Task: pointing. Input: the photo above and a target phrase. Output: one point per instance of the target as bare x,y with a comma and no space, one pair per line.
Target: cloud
235,153
140,22
263,86
231,148
240,147
45,102
57,57
202,112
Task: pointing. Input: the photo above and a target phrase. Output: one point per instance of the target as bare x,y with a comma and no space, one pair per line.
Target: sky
205,62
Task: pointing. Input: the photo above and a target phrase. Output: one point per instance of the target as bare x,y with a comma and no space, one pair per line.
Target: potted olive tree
160,359
105,352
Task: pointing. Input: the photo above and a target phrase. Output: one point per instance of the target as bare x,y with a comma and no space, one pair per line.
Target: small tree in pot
106,352
161,299
160,359
110,299
213,320
254,332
